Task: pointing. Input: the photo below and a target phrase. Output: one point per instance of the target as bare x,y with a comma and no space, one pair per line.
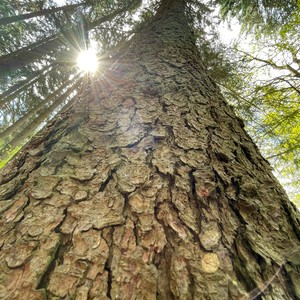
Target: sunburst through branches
87,61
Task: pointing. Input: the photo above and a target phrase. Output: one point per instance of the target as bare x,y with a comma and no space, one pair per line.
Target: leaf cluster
258,15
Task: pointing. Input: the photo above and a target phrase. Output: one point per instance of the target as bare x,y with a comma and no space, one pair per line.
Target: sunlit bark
148,189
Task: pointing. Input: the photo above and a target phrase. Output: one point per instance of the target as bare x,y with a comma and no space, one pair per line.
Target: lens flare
87,61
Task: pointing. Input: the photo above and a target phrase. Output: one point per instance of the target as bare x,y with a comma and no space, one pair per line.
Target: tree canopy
264,88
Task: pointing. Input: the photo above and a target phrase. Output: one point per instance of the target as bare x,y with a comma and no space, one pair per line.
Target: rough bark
148,189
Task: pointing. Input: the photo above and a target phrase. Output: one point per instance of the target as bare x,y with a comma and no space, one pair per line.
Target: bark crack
131,145
195,197
44,281
287,209
235,209
107,266
12,190
105,183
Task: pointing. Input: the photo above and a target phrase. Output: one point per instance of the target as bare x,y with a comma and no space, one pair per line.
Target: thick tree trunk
150,189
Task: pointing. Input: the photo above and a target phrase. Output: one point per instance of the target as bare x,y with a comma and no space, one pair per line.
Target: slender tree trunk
44,12
21,86
21,83
29,129
26,55
150,189
35,110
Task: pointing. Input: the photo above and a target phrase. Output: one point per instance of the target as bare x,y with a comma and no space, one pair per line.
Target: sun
87,61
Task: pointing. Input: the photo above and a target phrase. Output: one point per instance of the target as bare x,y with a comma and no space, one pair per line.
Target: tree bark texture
148,189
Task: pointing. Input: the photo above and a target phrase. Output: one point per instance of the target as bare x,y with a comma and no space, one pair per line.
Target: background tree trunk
30,126
17,88
148,189
36,110
43,12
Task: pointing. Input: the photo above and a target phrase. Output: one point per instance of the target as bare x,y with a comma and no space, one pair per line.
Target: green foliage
265,89
258,14
9,155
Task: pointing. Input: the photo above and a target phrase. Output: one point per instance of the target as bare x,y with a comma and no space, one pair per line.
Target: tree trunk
21,86
37,109
149,189
44,12
19,138
28,54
